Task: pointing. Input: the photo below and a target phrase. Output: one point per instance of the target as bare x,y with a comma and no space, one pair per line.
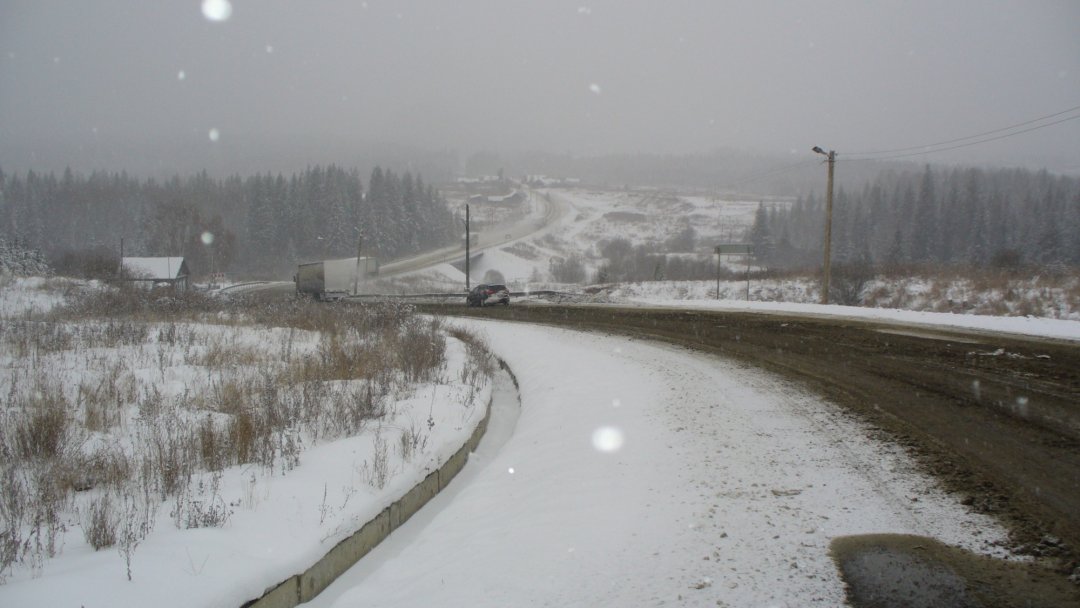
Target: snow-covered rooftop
153,268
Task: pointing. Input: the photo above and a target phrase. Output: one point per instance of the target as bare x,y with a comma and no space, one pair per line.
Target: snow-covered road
642,474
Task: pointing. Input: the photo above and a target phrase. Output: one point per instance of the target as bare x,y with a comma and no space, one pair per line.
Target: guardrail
516,294
244,284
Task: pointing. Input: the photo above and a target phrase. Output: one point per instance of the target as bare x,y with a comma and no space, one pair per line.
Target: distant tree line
670,260
263,224
937,217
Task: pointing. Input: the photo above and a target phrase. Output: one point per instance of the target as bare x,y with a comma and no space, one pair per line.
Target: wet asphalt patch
903,571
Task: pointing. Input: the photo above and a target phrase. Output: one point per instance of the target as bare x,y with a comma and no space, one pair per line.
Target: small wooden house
152,272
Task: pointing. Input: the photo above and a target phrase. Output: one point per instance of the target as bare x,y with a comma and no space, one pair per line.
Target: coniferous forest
261,225
937,217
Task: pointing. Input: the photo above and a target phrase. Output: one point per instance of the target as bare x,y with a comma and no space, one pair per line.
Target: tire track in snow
727,492
761,442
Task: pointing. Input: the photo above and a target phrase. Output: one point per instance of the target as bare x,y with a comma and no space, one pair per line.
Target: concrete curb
301,588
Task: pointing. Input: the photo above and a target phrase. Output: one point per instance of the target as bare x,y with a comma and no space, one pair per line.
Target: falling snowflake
217,10
207,238
215,134
595,88
607,439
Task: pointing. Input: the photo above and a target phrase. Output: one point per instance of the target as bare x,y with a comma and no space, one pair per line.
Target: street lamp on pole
828,223
468,252
717,249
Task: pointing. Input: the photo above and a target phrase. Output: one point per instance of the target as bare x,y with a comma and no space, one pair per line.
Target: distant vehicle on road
488,295
334,279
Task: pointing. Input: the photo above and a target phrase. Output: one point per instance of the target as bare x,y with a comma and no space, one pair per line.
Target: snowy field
22,297
156,413
629,473
592,216
650,216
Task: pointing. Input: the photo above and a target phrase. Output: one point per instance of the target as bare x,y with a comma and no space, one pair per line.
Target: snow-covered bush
20,261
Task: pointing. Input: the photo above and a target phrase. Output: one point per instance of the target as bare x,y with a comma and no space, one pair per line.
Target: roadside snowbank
1028,326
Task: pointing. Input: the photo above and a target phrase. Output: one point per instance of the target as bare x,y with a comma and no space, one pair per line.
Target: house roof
153,268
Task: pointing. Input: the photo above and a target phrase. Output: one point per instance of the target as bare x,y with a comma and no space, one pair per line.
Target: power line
777,171
924,148
979,138
973,143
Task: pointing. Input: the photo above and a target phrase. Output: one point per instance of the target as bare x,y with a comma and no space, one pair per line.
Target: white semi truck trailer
334,279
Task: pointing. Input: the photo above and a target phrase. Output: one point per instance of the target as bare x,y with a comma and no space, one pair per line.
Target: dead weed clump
43,429
481,363
40,460
421,347
133,302
102,402
108,468
99,522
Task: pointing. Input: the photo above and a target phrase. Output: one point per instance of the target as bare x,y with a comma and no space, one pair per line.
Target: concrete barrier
414,499
303,587
285,595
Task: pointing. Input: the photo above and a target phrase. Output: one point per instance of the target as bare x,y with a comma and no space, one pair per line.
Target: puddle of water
894,570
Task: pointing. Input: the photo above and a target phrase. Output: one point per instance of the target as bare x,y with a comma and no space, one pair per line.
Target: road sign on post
734,249
743,249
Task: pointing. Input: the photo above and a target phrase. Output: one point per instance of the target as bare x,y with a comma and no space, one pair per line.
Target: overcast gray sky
104,82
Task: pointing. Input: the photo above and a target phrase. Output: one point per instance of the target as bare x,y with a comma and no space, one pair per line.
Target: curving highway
547,210
996,418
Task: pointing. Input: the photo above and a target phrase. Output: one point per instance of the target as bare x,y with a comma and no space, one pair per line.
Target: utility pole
748,275
359,245
468,240
828,224
717,249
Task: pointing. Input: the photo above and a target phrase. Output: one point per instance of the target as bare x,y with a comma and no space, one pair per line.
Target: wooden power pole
468,240
359,248
827,270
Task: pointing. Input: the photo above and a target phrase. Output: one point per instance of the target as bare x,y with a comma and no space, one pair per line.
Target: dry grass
113,443
1038,292
376,472
99,522
43,430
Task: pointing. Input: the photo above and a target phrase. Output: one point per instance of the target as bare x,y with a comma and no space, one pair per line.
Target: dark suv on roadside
488,295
